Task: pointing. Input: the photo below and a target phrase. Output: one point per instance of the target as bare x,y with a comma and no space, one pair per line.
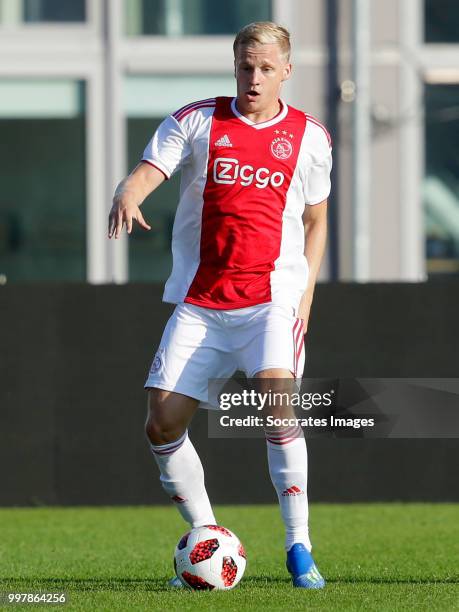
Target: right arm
129,195
164,154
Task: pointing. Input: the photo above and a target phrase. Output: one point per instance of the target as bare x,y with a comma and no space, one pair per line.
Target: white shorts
199,344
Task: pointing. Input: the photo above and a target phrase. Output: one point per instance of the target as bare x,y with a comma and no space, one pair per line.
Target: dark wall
72,403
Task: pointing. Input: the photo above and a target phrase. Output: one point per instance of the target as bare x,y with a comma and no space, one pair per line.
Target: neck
259,116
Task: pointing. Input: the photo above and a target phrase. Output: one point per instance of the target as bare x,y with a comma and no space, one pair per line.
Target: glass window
193,17
150,257
11,12
157,96
54,10
441,21
42,173
441,183
147,100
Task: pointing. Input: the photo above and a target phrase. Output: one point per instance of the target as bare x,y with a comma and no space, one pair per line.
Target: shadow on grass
160,585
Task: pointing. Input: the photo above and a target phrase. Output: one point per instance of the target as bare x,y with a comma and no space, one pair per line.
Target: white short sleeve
318,185
169,148
316,162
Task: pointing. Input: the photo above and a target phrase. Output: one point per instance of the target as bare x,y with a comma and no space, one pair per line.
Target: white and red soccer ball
210,557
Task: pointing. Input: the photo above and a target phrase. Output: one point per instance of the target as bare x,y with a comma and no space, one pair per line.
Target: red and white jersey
238,236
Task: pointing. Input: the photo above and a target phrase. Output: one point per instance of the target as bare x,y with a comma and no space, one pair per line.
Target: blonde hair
262,33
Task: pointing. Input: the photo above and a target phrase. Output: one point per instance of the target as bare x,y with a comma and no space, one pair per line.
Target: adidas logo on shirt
224,141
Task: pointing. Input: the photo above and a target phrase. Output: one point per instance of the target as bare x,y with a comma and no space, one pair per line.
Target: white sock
288,468
182,477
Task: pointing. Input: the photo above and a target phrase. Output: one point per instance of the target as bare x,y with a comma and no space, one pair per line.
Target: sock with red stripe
182,477
288,468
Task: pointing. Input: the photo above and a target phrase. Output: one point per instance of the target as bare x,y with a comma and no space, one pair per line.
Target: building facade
84,83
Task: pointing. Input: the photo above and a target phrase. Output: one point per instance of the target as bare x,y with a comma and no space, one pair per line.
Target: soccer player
248,239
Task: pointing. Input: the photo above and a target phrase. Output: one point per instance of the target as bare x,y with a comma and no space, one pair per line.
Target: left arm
315,227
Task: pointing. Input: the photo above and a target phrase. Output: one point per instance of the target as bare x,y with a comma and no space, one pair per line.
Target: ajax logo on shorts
228,171
157,362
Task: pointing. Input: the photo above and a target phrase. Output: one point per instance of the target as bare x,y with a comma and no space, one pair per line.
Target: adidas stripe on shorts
199,344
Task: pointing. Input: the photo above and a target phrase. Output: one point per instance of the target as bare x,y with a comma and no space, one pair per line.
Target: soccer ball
209,557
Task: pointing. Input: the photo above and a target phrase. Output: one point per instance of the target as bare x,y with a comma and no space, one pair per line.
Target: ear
287,71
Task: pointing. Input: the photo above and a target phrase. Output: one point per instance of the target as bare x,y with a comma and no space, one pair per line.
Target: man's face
259,70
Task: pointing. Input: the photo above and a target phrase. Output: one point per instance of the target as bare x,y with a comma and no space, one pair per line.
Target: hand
122,213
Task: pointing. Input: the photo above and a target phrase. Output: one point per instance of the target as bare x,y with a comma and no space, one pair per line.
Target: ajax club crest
281,147
157,361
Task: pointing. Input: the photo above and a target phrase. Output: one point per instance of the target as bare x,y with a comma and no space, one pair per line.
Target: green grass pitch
374,557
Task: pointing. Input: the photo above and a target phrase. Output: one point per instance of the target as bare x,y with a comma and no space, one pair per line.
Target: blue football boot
300,564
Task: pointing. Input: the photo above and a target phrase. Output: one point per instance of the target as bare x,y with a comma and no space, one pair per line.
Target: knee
157,433
160,426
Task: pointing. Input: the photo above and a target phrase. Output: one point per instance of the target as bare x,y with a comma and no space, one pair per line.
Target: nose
255,76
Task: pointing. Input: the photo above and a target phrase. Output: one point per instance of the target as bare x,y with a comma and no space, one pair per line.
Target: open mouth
252,94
